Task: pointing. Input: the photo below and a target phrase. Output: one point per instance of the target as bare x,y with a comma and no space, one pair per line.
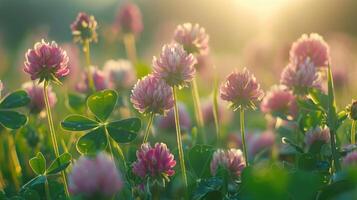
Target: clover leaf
9,118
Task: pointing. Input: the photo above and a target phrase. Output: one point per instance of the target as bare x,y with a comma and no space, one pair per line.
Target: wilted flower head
317,135
129,19
231,160
46,61
300,77
313,48
174,65
352,110
278,101
350,159
120,74
167,122
84,28
241,90
35,92
152,95
154,162
193,38
99,79
94,176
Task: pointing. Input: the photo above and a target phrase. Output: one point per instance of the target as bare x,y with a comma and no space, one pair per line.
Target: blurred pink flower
193,38
46,61
310,47
350,158
129,19
317,134
99,79
300,77
167,122
35,92
279,100
93,176
1,87
231,160
120,73
207,111
174,65
340,76
74,62
151,95
84,28
154,162
241,90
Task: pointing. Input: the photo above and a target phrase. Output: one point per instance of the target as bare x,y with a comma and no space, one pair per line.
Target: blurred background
253,33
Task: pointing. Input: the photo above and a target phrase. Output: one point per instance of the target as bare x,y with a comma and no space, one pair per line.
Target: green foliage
102,103
38,164
9,118
210,186
199,159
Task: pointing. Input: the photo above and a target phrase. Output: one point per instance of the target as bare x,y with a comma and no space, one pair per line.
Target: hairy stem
215,111
52,133
179,139
198,111
147,131
353,132
86,50
242,130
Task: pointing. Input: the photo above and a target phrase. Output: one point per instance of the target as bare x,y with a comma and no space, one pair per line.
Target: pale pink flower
94,176
174,65
46,61
167,122
129,19
120,73
84,28
317,135
350,158
300,77
35,92
241,89
154,162
152,95
312,47
193,38
231,160
279,100
99,79
207,111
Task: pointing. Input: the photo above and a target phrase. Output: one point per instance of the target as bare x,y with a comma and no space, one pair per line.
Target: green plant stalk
53,134
215,111
109,144
86,50
147,131
47,190
14,165
242,130
179,139
198,110
129,43
353,132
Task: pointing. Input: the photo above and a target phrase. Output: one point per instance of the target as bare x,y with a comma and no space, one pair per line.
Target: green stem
53,134
198,110
47,190
147,132
242,130
86,50
129,43
215,111
109,144
179,140
336,161
353,133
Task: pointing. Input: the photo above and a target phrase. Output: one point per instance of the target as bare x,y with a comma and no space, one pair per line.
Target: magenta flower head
300,78
317,135
95,176
279,101
174,65
231,160
241,89
193,38
311,47
47,62
35,92
129,19
167,122
155,162
84,28
350,159
120,73
99,79
152,95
